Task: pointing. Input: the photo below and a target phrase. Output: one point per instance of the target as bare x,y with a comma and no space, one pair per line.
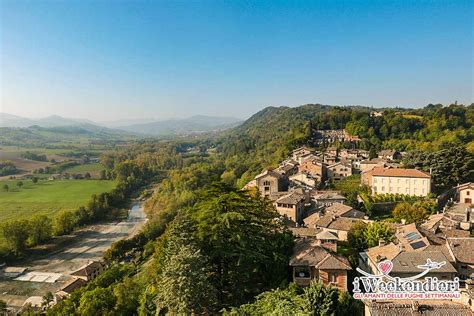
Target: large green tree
247,247
183,284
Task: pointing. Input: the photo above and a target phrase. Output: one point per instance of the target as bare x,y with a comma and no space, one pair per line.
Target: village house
327,240
268,182
389,154
304,232
462,251
291,205
340,226
352,154
405,263
304,179
70,287
331,151
339,171
399,181
465,193
287,169
462,214
329,159
311,261
333,135
314,168
90,271
410,238
341,210
326,198
367,165
300,152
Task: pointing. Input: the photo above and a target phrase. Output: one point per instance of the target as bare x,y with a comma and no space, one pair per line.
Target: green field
47,197
90,167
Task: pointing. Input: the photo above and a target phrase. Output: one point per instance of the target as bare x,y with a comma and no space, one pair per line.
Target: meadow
47,197
90,167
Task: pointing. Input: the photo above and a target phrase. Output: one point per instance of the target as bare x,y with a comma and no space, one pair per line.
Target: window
302,272
399,190
266,182
390,189
398,181
375,180
332,277
468,192
383,189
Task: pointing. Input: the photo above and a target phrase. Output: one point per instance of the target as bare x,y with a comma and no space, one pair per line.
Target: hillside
194,124
267,137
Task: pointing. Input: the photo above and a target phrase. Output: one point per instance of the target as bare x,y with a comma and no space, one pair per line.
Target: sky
111,60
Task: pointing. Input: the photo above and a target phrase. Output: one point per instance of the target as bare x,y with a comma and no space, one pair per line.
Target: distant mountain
194,124
10,120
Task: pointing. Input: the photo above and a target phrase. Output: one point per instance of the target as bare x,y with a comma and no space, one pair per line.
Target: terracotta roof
432,221
304,231
379,253
338,209
454,233
268,172
73,285
312,219
307,252
407,173
88,269
408,262
462,249
324,221
387,152
442,248
329,195
343,223
326,235
333,261
291,198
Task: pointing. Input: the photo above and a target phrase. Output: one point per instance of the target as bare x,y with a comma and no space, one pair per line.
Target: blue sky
109,60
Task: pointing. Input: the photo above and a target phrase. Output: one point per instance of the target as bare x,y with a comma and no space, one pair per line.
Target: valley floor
86,245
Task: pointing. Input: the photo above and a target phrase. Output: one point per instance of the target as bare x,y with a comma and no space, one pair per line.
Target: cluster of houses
320,219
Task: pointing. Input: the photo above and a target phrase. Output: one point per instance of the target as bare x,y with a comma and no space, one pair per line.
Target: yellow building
399,181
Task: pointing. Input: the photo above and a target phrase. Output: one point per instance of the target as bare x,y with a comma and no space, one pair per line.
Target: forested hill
267,137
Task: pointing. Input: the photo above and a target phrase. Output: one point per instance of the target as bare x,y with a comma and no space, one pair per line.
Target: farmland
90,167
47,197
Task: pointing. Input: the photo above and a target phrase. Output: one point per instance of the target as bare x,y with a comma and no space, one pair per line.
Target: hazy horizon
107,61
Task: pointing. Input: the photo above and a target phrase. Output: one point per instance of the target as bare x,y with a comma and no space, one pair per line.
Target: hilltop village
322,219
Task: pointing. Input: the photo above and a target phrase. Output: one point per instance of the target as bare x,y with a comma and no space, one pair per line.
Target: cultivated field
47,197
